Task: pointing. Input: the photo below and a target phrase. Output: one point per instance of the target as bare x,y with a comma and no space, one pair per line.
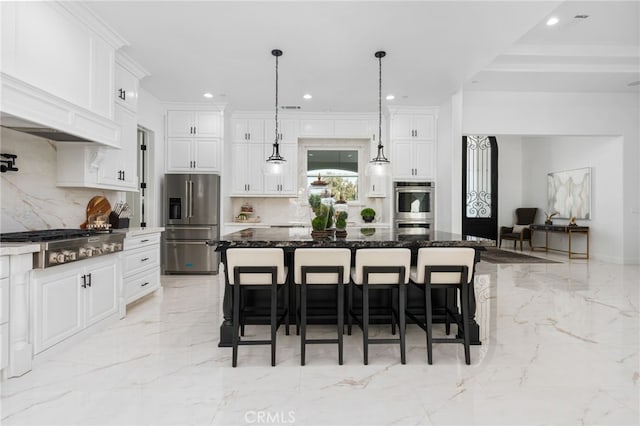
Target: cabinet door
316,127
377,186
402,163
285,183
101,292
255,129
239,132
179,155
206,154
402,127
58,313
423,126
207,124
126,88
120,167
424,153
180,124
247,165
288,130
352,128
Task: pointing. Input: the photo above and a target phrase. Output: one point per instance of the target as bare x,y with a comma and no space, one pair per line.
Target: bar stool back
381,269
321,268
448,268
257,269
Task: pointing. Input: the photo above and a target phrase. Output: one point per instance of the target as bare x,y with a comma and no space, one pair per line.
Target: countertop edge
13,249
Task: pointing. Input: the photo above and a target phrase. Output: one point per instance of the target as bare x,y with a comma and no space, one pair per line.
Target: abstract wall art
569,193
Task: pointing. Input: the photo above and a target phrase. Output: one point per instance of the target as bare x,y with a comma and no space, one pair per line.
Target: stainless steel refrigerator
191,212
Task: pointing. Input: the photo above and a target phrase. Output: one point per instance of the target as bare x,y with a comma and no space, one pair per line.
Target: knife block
118,222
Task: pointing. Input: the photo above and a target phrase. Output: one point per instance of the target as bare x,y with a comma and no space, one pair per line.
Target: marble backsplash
30,198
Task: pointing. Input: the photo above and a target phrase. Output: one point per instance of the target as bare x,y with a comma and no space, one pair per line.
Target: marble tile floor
560,347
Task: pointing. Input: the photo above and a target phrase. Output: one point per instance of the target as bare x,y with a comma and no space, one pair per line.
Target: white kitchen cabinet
413,126
70,298
413,144
247,176
57,47
413,160
140,266
126,88
285,183
352,128
316,127
251,130
288,130
193,155
195,124
4,312
194,141
119,167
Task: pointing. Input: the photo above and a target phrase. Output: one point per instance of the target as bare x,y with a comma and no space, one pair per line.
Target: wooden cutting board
98,205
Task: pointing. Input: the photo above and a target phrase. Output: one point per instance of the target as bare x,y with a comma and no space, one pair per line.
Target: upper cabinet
194,141
58,68
413,143
194,124
126,88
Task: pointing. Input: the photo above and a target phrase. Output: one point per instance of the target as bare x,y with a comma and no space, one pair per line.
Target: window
339,168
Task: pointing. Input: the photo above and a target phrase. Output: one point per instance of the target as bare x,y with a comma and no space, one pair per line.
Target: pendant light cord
275,144
380,105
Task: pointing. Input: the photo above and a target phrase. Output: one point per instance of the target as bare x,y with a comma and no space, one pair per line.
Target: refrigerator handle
190,199
187,200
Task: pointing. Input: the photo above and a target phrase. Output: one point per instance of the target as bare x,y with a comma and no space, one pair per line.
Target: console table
563,229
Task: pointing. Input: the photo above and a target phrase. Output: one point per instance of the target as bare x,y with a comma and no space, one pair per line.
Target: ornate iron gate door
480,186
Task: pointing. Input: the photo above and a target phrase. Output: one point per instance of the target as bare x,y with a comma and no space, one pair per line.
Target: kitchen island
290,239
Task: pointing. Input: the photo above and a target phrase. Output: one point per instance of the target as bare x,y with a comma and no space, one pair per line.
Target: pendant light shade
275,159
380,159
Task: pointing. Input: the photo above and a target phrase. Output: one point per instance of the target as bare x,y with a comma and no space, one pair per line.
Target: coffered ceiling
434,48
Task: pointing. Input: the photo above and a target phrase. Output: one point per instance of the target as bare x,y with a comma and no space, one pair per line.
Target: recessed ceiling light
208,95
390,97
307,96
552,21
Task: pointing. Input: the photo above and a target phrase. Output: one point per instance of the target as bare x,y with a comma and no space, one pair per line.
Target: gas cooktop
45,235
58,246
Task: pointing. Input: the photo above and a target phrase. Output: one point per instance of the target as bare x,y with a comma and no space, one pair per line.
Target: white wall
151,115
566,114
30,198
510,178
603,155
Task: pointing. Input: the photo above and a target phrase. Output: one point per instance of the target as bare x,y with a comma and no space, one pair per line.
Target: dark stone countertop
356,238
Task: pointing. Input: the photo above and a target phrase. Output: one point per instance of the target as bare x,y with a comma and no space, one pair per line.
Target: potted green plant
341,220
368,214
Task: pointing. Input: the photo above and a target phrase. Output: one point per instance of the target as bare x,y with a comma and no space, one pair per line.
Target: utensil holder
118,222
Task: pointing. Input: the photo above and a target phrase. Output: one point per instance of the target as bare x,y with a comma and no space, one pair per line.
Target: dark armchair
520,231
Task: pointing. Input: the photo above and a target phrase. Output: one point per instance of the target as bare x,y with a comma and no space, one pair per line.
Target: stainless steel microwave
414,201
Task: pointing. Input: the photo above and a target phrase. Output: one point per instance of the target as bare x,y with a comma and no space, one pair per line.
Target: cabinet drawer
4,266
138,285
141,241
140,259
4,345
4,300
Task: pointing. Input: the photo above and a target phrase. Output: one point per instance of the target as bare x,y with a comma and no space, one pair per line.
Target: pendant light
275,160
380,159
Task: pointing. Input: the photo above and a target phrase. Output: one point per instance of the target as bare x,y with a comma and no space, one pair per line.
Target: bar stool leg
401,314
303,322
428,317
365,322
394,302
274,321
286,290
298,304
464,294
340,320
447,317
349,308
236,319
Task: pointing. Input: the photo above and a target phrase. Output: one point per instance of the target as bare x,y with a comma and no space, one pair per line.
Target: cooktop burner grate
45,235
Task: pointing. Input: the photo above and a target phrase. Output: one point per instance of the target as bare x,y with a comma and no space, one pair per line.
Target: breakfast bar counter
290,239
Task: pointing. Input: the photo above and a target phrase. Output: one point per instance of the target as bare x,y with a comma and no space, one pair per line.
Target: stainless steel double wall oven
413,207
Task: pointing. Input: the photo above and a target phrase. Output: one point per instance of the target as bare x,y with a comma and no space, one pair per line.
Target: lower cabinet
73,298
140,266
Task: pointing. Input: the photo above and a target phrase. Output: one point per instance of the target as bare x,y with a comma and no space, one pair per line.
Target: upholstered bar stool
381,269
257,269
446,268
321,268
